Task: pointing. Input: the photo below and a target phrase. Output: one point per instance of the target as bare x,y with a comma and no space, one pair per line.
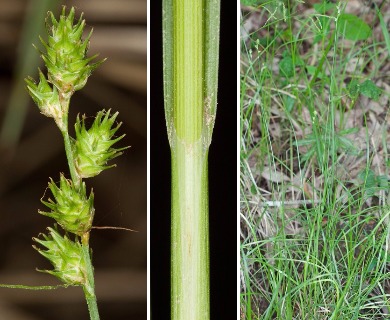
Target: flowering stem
87,155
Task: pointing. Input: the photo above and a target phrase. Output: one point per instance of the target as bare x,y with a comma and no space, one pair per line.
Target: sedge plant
190,65
314,186
66,244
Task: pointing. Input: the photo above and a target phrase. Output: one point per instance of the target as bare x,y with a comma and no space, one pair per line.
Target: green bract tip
71,208
65,255
93,148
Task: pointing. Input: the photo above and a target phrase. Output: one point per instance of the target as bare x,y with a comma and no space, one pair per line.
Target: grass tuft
314,182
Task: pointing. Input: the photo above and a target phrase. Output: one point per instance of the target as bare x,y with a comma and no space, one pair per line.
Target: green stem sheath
189,232
190,63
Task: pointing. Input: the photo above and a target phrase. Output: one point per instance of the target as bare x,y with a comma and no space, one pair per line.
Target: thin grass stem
89,287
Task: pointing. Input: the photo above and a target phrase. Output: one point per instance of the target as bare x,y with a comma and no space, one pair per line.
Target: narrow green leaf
324,27
384,28
253,189
348,131
22,286
372,265
347,145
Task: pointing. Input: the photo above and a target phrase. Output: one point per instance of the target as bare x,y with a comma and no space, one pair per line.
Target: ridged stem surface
190,63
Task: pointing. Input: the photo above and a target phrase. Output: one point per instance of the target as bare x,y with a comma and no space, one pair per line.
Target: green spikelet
45,97
70,208
66,52
65,256
93,148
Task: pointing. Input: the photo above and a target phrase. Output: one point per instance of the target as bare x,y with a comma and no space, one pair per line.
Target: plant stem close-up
190,55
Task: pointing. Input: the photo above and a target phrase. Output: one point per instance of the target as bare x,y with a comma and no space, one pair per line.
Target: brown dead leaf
273,175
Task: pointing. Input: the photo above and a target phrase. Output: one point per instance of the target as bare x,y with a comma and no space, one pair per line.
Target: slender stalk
321,62
89,287
68,150
68,146
191,37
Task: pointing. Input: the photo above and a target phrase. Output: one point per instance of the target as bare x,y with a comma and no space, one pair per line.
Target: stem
69,155
190,237
89,287
321,63
190,63
68,145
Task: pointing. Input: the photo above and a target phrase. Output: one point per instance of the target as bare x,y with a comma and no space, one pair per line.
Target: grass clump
315,201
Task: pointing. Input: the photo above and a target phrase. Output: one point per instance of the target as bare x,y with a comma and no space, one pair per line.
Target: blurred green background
31,151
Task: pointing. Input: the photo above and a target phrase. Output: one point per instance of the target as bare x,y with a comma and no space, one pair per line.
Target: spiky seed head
46,98
70,207
65,255
93,148
66,52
